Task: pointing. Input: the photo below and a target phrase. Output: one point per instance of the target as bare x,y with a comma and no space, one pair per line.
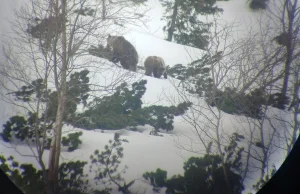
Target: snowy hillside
145,152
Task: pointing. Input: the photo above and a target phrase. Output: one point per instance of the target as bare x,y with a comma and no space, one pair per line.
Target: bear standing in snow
155,65
124,52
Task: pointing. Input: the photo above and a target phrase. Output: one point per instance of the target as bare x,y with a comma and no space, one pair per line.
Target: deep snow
145,152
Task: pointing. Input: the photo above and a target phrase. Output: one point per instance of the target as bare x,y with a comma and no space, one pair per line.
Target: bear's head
111,40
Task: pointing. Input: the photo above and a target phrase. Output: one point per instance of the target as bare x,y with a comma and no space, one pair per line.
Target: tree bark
56,142
289,47
103,9
174,16
224,166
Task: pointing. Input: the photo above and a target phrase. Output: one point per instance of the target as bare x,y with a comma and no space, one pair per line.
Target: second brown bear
155,65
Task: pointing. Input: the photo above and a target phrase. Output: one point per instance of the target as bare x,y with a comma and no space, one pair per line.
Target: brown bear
155,65
123,52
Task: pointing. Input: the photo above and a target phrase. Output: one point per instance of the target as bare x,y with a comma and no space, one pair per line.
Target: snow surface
145,152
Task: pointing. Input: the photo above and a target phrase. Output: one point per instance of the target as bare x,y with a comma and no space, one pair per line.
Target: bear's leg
115,58
165,75
148,73
155,73
148,70
124,64
132,65
160,72
132,68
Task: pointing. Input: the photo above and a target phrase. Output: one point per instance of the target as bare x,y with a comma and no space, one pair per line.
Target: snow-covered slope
145,152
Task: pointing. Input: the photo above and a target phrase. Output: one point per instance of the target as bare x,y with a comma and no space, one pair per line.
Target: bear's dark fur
155,65
123,52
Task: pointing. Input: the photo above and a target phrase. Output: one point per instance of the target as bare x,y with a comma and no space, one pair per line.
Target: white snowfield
146,152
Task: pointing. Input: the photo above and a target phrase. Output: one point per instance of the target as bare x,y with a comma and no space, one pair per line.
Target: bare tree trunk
224,167
248,155
103,9
56,143
174,16
289,47
296,109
